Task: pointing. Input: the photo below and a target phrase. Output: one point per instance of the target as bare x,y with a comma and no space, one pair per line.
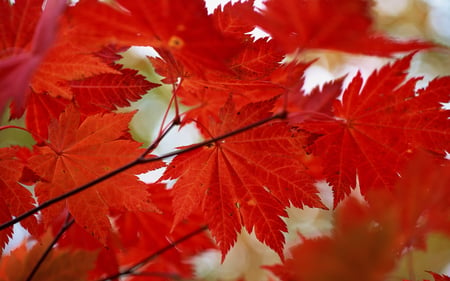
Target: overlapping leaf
421,200
230,19
59,264
15,199
106,92
79,151
337,25
181,29
64,63
134,226
359,248
246,180
253,75
27,34
378,126
369,237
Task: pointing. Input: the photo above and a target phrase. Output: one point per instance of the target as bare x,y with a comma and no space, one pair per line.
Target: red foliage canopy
266,141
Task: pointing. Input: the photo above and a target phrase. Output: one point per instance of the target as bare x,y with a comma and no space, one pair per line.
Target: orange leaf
65,63
58,265
360,248
79,151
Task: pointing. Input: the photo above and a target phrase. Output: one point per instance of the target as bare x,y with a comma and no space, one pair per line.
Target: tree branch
68,223
281,115
137,161
132,269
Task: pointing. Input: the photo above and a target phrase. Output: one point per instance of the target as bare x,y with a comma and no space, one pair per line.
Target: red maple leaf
378,126
236,184
15,199
64,63
96,94
106,92
231,19
360,248
254,74
117,25
60,264
133,226
45,66
77,237
421,200
41,109
337,25
182,29
27,34
316,105
369,237
439,277
79,151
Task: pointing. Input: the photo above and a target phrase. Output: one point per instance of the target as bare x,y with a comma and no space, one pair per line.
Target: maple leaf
49,68
106,92
15,199
369,237
117,25
255,74
66,62
439,277
96,94
317,104
420,198
77,237
41,109
183,30
231,20
58,265
377,128
135,248
359,248
246,180
25,40
79,151
337,25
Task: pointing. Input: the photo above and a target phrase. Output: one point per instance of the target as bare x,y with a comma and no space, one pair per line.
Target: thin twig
280,115
156,142
167,275
132,269
137,161
66,195
67,224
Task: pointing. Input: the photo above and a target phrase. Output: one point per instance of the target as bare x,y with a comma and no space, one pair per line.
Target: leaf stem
13,127
171,276
68,223
36,137
144,261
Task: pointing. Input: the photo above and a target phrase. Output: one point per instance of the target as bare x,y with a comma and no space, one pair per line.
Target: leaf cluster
266,142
